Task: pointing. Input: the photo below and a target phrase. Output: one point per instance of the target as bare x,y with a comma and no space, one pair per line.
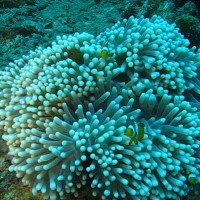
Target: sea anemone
108,113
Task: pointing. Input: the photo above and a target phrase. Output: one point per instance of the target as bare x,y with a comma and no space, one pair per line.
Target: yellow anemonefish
135,132
192,179
131,134
140,130
105,54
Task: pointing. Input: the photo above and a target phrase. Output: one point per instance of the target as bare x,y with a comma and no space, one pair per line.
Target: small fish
105,54
135,132
192,179
140,131
131,134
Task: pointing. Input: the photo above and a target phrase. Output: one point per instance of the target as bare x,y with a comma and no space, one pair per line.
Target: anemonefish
135,132
192,179
106,54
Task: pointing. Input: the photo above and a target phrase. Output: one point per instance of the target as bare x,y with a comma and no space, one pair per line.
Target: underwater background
27,24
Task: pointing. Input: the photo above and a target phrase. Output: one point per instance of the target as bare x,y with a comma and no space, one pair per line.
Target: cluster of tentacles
119,113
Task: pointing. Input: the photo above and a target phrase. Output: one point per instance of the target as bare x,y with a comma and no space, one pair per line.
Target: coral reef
37,24
26,24
184,13
117,113
15,4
